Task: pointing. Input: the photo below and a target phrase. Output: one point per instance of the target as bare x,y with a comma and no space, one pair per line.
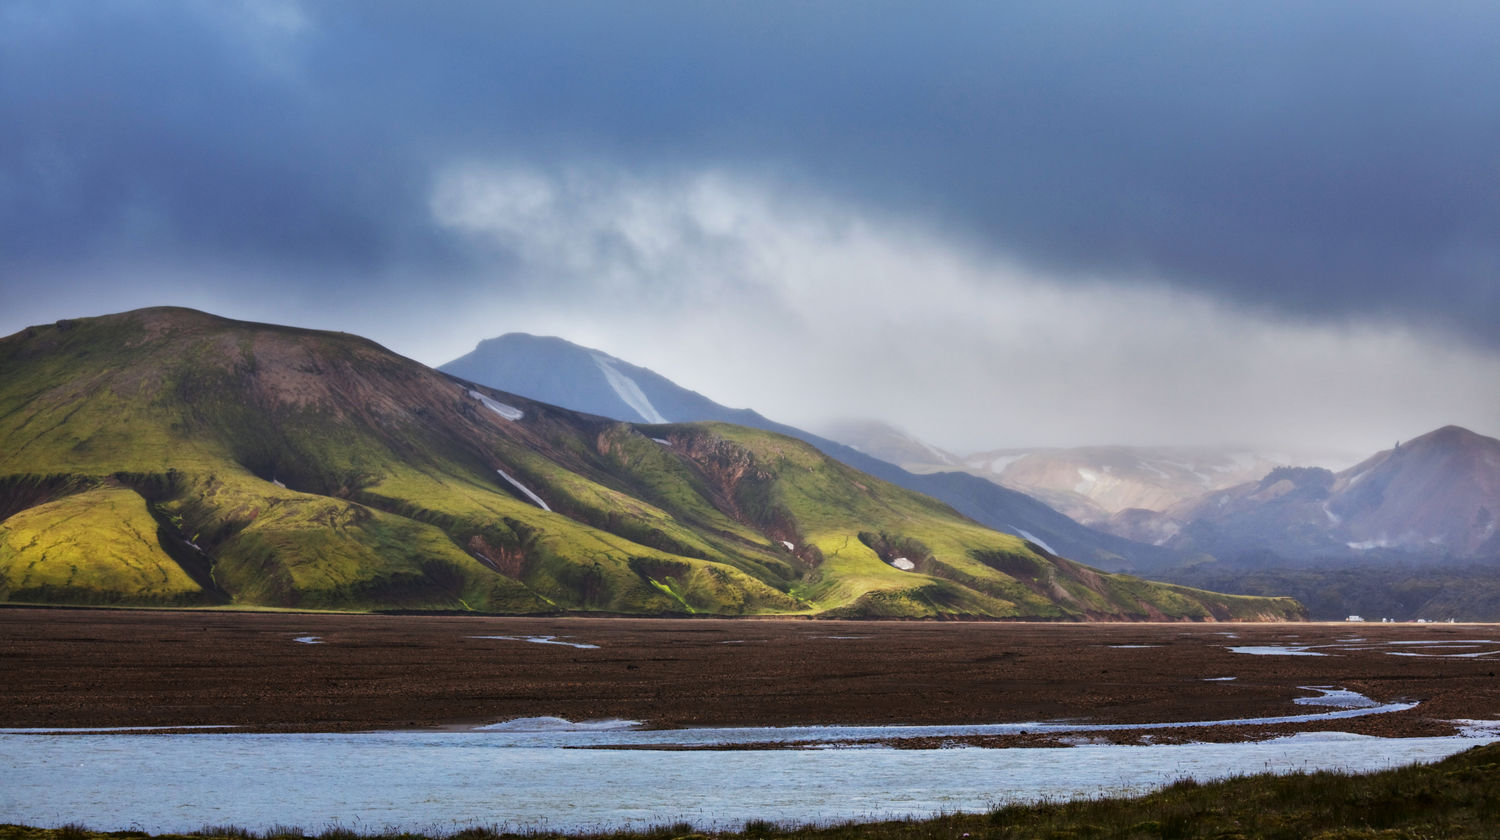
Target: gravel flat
316,672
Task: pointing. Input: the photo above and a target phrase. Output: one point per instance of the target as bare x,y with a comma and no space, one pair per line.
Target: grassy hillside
91,547
1454,798
170,457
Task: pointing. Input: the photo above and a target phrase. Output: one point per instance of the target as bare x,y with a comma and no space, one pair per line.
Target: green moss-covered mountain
166,456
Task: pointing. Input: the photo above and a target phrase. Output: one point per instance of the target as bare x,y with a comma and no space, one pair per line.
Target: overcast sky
991,224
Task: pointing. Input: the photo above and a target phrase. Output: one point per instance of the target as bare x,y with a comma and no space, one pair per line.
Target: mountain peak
557,371
1432,496
1449,437
524,338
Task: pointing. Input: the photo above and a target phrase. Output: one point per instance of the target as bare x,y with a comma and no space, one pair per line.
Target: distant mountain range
1404,534
1408,533
1435,495
170,457
562,373
1088,483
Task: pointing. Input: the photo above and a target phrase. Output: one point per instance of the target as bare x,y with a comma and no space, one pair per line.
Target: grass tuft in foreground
1455,798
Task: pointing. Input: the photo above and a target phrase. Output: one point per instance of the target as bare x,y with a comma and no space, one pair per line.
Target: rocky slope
166,456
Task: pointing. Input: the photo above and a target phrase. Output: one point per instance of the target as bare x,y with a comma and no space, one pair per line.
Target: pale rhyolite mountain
1092,483
1435,495
557,371
1088,483
1408,533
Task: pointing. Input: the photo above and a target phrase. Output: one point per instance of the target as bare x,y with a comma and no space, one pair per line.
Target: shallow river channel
548,774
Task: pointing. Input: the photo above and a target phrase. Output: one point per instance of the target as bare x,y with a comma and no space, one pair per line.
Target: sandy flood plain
281,672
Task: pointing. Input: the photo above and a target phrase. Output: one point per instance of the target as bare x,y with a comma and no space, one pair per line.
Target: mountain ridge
275,466
1438,493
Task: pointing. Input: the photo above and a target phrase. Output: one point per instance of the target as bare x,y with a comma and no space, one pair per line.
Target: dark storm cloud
152,132
1322,160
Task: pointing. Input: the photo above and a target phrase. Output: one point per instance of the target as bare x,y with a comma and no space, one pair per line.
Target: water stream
554,774
444,781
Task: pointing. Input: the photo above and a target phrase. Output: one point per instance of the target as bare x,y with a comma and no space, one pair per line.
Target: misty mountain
1088,483
169,457
1407,533
1437,495
890,444
1092,483
557,371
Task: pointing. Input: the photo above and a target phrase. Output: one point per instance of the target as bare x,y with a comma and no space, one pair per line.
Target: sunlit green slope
167,456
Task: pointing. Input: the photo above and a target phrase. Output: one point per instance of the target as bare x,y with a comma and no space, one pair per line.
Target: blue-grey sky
992,224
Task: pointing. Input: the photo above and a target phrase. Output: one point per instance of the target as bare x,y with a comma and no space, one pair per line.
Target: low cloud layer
810,310
1078,221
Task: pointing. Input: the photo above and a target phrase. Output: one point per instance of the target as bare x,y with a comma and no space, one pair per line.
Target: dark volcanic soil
75,668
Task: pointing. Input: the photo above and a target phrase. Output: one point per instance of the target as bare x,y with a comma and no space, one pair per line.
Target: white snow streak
1088,479
999,464
1027,535
1152,468
628,390
524,489
509,412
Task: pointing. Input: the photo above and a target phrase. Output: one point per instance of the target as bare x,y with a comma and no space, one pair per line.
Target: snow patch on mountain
509,412
1153,469
628,390
1027,535
1088,479
524,489
1358,477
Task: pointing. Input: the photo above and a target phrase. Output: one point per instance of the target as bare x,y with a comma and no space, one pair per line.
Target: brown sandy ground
88,668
